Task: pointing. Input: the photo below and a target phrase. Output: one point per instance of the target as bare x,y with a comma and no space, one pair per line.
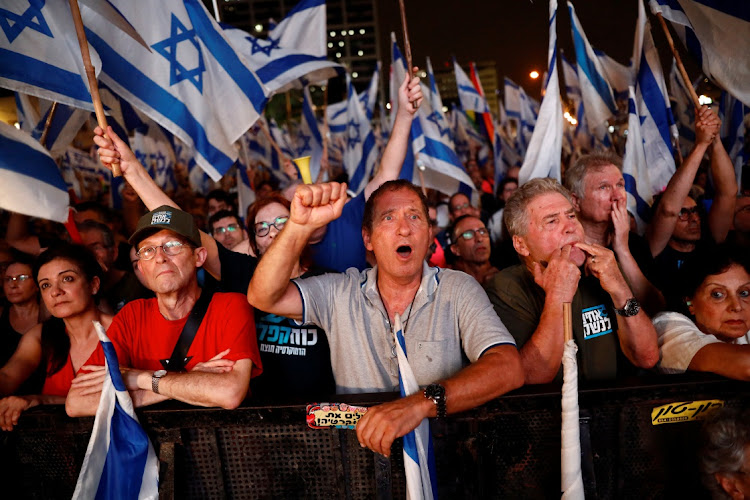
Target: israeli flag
597,94
732,113
120,461
281,67
419,457
283,138
653,107
66,122
471,99
304,28
192,82
619,76
336,117
154,150
370,96
717,32
39,52
570,76
416,138
635,168
360,154
31,183
520,107
545,148
442,170
309,140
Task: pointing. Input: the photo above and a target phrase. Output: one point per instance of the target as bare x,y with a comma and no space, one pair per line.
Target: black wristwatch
632,307
155,377
436,393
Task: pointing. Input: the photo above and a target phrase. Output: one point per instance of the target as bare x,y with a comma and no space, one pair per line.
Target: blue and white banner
717,33
31,183
599,102
192,82
361,152
545,148
154,150
653,107
39,52
419,457
309,140
120,461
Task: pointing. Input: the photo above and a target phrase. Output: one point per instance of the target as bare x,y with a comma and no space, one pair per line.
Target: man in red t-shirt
221,358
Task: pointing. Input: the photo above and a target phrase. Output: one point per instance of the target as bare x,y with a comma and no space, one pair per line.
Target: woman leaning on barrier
725,454
711,334
68,277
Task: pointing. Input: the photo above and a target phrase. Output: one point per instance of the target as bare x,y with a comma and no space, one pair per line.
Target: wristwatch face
632,307
435,391
160,373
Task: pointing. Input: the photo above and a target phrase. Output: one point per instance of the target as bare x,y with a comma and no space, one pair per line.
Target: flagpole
91,75
407,45
680,66
48,124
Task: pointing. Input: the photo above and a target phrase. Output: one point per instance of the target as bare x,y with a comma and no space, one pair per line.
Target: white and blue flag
468,95
192,82
120,462
599,102
717,33
732,113
635,168
442,170
361,152
154,150
370,96
309,140
31,182
545,148
65,124
419,457
619,76
304,28
653,107
39,52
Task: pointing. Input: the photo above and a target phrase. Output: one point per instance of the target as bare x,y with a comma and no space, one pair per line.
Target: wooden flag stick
567,322
101,119
48,124
680,66
407,45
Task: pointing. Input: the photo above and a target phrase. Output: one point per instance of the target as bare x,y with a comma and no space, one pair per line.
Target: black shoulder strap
178,360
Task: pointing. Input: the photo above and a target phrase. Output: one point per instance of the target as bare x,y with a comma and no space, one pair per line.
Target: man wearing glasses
471,245
676,228
227,229
221,358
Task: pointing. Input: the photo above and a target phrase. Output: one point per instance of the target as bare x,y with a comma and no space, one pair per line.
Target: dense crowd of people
297,299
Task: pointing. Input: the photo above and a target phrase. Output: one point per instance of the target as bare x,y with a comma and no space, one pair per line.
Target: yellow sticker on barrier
685,411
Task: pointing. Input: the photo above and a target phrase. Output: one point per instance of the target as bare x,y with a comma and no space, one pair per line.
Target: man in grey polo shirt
445,314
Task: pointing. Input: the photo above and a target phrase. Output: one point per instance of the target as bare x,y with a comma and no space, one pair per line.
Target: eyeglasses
462,206
262,228
685,213
170,248
467,235
231,228
20,277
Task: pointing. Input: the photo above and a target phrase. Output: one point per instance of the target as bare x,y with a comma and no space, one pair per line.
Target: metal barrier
508,448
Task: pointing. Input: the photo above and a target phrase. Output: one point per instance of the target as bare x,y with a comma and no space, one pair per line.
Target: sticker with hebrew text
339,415
686,411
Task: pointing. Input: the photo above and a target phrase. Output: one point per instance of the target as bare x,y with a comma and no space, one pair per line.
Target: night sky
513,33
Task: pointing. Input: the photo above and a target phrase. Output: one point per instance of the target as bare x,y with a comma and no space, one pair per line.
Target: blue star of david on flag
304,143
168,49
352,134
13,24
435,118
264,49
